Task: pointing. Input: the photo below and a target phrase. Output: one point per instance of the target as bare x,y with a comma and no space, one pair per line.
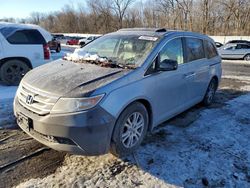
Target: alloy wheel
132,129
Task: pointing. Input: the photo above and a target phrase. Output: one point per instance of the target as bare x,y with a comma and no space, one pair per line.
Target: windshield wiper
127,66
115,64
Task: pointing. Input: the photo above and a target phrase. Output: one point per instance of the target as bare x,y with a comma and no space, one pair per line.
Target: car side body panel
181,93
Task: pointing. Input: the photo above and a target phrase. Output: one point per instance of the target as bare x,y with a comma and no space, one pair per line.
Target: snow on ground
212,149
70,46
7,94
242,62
242,78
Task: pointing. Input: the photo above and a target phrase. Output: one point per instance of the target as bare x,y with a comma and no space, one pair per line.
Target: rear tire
12,71
247,57
209,96
130,129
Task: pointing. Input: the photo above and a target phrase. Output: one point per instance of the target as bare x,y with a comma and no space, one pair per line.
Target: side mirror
167,65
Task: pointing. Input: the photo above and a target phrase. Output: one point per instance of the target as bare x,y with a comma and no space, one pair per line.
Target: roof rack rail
144,29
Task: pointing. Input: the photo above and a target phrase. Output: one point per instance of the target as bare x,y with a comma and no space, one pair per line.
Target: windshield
120,50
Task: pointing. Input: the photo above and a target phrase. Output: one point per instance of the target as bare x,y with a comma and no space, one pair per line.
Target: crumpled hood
61,77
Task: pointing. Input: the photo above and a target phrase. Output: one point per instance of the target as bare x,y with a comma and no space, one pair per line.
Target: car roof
159,32
236,41
235,44
44,33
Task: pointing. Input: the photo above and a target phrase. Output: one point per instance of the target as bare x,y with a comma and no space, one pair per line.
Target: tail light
46,51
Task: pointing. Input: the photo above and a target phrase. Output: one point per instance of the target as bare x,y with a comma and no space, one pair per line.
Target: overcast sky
23,8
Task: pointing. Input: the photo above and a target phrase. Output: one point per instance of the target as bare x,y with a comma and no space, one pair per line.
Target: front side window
195,49
173,51
230,48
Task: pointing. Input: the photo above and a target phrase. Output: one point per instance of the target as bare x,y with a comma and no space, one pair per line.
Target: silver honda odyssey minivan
107,95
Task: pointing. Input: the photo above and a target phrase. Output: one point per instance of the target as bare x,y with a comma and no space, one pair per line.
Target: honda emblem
29,99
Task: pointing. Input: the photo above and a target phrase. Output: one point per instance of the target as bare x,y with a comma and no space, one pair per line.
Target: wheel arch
24,59
246,55
148,107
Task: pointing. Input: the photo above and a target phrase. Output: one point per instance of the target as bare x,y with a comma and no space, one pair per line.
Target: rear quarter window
26,36
242,46
210,49
194,48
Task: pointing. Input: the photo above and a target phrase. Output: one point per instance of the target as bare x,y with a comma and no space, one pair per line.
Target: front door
171,86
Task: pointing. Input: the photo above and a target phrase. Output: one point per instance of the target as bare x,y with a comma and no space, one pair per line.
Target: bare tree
213,17
120,7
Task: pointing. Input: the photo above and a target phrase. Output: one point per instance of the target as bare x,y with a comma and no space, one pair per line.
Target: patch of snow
241,62
70,46
7,92
80,54
238,77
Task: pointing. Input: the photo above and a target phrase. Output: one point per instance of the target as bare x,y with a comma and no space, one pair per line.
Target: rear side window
194,49
242,46
210,50
25,36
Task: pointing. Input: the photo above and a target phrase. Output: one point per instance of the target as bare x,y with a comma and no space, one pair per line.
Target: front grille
42,101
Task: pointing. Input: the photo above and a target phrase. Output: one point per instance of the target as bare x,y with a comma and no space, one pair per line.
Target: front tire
12,71
130,129
210,93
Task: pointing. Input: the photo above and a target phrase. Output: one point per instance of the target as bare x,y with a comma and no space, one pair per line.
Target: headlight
67,105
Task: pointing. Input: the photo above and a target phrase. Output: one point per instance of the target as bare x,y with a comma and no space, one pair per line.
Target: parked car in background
235,51
55,44
73,41
130,82
218,44
58,36
22,47
85,41
238,41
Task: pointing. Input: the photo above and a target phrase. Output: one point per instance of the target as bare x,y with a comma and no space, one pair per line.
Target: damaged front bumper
85,133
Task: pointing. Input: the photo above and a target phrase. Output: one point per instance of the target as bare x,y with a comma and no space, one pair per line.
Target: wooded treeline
213,17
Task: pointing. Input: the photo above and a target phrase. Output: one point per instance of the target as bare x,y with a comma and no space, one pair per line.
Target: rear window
195,49
210,49
22,36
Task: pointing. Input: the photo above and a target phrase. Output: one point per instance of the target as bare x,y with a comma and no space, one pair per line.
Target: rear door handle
189,75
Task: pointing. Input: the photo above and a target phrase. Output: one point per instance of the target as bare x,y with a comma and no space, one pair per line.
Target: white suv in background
22,47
